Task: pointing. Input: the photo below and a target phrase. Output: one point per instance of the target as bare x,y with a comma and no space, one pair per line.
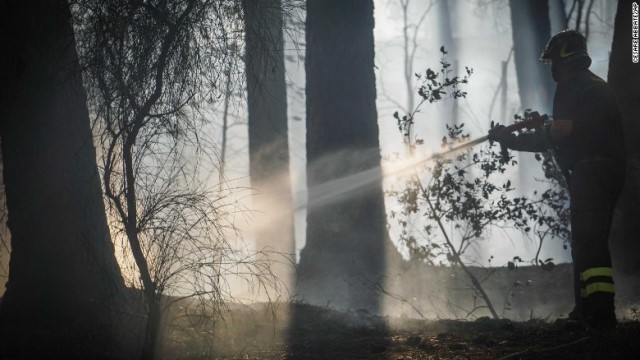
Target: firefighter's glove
506,139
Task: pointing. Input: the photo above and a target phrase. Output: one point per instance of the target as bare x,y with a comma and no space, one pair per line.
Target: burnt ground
483,339
310,332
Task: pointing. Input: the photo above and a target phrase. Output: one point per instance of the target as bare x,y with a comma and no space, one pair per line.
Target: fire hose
531,121
331,190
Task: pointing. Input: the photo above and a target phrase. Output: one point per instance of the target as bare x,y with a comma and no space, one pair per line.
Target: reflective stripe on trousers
594,188
597,279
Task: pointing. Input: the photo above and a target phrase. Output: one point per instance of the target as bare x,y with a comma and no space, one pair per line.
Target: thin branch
456,255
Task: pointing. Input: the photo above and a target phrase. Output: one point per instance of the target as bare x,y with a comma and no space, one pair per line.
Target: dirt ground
309,332
485,339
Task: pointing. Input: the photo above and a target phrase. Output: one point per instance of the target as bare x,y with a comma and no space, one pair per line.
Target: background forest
184,177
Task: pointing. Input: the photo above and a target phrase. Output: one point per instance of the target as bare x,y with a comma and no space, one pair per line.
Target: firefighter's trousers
595,186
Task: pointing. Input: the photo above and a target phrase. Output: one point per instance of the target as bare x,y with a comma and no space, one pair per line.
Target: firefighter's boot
600,311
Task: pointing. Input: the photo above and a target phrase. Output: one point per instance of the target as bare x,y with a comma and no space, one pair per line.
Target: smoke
483,43
359,183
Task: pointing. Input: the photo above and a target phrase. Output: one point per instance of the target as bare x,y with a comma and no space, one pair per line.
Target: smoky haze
477,35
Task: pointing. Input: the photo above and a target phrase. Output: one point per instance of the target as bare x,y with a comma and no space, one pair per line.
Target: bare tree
152,67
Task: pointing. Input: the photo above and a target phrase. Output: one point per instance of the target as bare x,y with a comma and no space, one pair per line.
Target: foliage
435,86
463,197
551,218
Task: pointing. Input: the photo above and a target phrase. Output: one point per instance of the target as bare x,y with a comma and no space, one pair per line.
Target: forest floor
309,332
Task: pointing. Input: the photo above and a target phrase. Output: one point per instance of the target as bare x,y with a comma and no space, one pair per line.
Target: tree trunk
445,28
268,133
445,34
557,16
624,75
5,237
64,278
531,31
624,78
344,253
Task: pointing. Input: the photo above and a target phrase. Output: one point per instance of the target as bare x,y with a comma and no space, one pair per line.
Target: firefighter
586,138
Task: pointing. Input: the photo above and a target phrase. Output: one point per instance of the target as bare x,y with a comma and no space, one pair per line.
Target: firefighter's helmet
564,47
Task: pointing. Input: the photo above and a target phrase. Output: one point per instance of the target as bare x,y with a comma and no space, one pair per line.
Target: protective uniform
592,158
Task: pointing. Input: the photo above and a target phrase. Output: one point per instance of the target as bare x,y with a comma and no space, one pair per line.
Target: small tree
459,210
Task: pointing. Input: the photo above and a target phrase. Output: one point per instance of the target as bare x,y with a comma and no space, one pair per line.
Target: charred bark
64,279
624,78
346,239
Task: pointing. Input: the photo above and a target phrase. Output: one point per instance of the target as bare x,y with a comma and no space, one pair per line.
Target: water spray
361,182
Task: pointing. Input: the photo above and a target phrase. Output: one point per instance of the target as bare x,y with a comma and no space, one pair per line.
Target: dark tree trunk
268,132
531,31
445,28
445,34
345,249
624,75
624,78
557,16
5,237
63,274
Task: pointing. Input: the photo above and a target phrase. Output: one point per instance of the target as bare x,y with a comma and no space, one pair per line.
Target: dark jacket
590,104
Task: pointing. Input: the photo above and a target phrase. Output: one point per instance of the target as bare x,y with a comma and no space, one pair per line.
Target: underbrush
301,331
